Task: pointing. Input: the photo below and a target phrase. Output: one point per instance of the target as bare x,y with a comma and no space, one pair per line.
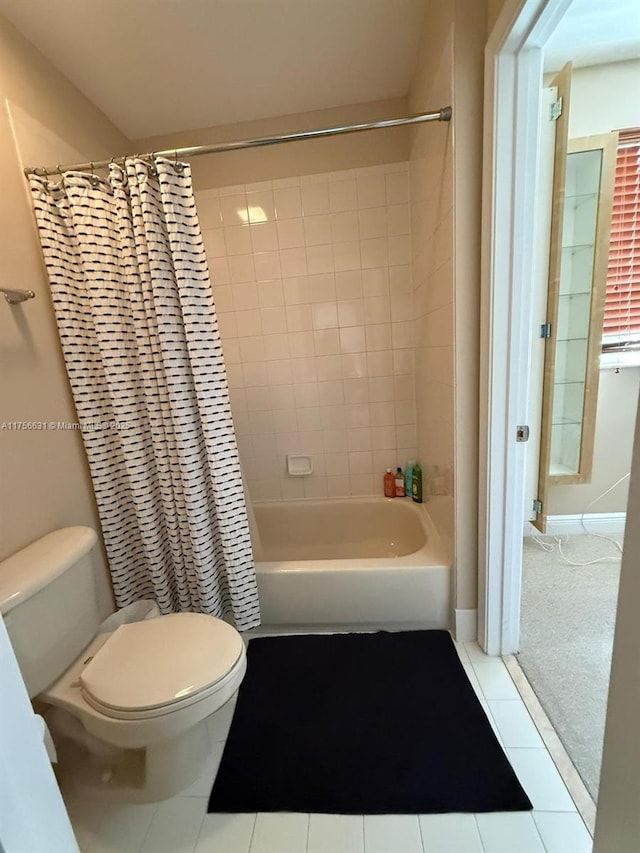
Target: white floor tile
219,723
226,833
123,828
495,680
85,817
540,779
392,833
485,708
204,783
450,833
335,833
563,833
468,668
514,724
509,832
475,653
462,652
280,832
175,826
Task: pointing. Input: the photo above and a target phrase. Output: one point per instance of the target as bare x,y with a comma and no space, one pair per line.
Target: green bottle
416,483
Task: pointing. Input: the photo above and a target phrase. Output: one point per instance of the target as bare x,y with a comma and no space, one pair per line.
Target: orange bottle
389,484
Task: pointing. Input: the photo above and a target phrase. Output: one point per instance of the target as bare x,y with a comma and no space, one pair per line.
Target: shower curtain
139,334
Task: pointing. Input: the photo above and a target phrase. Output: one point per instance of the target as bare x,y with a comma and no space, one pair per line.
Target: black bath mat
383,723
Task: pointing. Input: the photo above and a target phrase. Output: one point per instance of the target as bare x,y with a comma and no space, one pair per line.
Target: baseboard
466,625
595,522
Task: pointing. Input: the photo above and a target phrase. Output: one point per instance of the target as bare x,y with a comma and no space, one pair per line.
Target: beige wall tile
305,303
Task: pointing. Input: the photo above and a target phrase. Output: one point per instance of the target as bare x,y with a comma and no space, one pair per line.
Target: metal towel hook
14,297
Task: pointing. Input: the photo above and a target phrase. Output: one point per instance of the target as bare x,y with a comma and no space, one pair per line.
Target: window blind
622,302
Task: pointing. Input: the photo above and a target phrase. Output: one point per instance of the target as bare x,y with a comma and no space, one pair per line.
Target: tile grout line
199,833
96,829
575,786
424,849
144,838
537,829
253,832
477,826
495,726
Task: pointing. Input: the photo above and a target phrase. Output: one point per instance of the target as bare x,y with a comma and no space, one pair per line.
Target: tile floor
182,825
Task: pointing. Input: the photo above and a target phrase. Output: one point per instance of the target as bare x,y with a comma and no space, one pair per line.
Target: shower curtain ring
177,165
95,179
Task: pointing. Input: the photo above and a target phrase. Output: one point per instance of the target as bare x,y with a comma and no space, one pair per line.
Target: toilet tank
48,603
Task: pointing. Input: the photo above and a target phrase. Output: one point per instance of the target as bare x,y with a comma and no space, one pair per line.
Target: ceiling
593,32
162,66
159,66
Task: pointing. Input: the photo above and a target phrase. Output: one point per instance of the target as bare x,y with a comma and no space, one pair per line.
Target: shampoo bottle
389,484
399,483
408,476
416,483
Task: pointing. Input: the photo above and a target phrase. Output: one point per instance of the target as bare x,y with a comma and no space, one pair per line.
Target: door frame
512,97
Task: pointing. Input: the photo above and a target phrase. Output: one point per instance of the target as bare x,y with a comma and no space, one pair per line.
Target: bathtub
372,562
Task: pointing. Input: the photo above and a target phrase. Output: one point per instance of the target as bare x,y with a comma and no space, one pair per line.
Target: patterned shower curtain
139,334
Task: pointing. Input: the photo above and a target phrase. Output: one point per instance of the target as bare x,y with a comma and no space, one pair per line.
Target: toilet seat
154,667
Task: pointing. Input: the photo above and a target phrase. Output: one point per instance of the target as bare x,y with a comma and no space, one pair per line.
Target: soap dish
299,466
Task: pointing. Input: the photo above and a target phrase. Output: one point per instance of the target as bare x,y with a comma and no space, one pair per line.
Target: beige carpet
567,623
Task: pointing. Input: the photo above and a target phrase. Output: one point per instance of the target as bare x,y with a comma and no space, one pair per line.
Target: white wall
615,418
470,36
32,813
604,98
44,474
618,818
432,224
310,156
445,202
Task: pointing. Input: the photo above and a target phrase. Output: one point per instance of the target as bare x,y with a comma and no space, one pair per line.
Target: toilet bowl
146,690
152,680
128,708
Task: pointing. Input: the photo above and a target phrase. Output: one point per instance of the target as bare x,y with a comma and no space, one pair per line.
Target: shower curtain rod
443,114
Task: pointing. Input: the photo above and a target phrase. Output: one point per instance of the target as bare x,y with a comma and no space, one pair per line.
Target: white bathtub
357,561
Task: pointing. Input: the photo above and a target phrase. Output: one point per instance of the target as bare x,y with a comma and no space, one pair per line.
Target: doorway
514,100
576,490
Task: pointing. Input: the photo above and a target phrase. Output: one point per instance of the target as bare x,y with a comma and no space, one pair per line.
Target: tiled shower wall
432,273
432,276
312,285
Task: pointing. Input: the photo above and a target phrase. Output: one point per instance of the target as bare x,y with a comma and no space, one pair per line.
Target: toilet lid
160,661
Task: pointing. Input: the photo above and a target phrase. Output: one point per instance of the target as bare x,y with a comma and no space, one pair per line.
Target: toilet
127,709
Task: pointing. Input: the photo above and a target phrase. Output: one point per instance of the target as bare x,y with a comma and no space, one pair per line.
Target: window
621,331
